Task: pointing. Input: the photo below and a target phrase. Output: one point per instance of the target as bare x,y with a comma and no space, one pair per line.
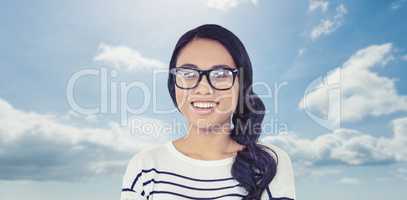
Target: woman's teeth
203,104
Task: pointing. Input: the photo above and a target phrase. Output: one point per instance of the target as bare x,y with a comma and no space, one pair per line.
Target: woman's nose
204,87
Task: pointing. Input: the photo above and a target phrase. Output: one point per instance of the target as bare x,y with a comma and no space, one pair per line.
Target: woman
210,78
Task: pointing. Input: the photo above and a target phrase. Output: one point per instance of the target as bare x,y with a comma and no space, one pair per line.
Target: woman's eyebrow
220,66
213,67
188,65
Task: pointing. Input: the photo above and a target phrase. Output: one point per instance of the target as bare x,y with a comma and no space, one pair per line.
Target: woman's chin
209,125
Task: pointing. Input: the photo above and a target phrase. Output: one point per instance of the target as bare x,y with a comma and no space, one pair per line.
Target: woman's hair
254,167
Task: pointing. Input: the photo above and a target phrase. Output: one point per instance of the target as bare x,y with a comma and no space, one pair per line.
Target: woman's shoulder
140,163
279,154
146,154
283,183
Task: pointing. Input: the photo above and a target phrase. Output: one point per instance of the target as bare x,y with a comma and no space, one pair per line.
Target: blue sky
51,150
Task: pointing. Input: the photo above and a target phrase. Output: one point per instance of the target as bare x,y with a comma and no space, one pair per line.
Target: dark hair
254,167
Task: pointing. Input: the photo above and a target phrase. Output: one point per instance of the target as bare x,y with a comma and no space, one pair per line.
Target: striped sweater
162,172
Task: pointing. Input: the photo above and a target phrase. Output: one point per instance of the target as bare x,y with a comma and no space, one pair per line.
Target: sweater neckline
226,161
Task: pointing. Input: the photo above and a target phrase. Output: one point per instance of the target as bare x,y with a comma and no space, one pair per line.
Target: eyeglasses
220,77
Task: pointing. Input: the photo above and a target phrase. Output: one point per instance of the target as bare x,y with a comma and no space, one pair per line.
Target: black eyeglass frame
235,72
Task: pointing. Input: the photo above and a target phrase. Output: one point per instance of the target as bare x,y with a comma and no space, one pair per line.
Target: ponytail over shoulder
254,167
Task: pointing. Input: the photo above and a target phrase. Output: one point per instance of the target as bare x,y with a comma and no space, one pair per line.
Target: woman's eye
221,73
187,74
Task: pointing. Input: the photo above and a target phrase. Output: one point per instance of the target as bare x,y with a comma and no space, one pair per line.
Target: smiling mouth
204,104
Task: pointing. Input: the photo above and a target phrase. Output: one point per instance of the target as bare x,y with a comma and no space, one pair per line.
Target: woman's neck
208,144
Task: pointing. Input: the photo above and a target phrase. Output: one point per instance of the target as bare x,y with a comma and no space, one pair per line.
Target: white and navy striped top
163,173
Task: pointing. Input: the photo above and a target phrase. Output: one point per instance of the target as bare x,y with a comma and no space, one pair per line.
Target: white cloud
225,5
362,91
40,147
404,57
72,115
345,147
122,57
349,181
318,4
395,5
325,27
328,26
320,172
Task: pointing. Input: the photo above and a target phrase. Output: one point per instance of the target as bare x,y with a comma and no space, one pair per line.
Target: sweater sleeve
282,187
132,186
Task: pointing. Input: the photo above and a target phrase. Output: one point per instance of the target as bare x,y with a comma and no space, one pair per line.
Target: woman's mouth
203,107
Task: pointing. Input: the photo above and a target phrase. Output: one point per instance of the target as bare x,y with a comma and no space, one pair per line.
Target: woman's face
204,106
